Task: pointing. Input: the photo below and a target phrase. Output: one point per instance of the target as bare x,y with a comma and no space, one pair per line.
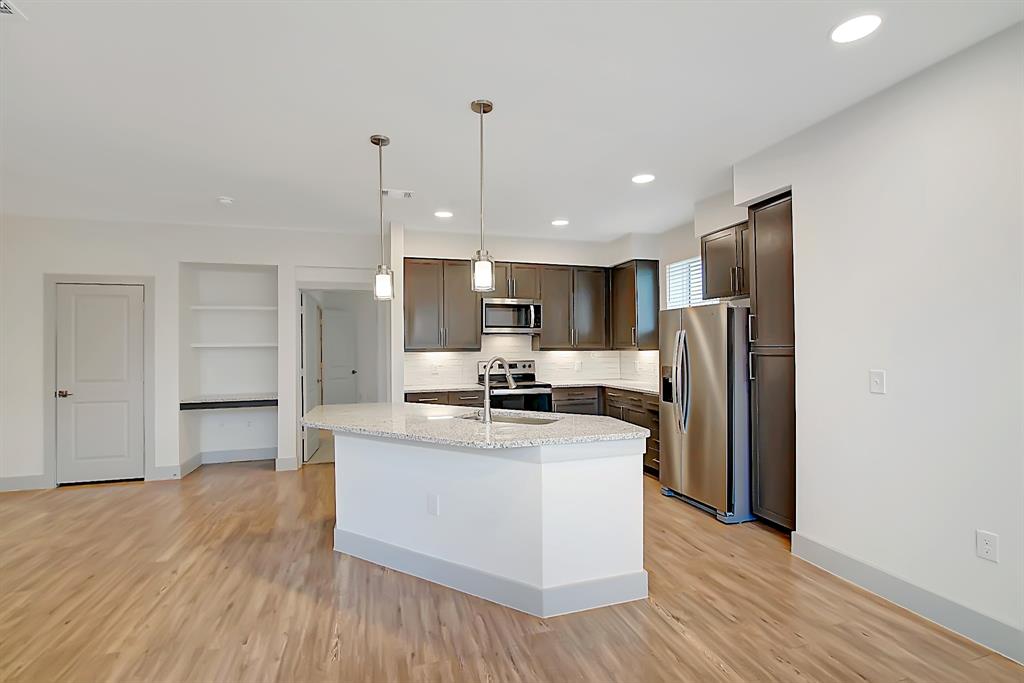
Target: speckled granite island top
444,425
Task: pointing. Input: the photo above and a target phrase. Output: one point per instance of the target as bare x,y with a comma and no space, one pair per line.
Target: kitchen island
542,512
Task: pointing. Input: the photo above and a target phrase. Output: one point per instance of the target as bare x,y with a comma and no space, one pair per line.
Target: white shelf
204,307
236,345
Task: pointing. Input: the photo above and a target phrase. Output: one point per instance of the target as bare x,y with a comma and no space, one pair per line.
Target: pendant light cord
380,198
481,178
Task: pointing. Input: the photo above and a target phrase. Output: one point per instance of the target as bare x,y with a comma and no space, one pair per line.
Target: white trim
286,464
980,628
238,455
541,602
26,483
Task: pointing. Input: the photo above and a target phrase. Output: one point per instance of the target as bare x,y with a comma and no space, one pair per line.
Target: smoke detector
7,8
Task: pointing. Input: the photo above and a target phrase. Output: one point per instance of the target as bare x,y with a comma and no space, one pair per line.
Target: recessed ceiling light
559,222
856,28
443,214
643,178
226,201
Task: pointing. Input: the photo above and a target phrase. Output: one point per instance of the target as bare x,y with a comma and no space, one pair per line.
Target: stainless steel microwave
511,316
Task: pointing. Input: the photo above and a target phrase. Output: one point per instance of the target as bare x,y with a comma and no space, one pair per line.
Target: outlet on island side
986,545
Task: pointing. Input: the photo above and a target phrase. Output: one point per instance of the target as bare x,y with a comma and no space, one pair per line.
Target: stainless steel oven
529,394
511,316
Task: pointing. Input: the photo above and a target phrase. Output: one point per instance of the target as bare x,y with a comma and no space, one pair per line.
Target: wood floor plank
230,575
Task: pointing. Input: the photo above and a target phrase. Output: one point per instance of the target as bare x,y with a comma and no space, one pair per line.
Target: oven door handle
520,392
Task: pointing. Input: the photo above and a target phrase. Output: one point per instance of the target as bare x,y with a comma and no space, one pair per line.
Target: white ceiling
147,111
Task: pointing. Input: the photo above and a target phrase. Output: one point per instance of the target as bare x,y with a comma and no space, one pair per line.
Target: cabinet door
718,263
461,308
624,306
424,304
773,439
437,397
525,281
502,282
556,293
648,304
474,399
771,289
744,257
590,308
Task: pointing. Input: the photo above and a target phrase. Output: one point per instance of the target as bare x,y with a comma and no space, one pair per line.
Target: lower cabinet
473,399
773,435
577,400
641,410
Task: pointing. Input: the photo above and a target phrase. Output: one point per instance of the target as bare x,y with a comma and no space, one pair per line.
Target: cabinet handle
739,279
634,336
733,280
425,400
750,366
469,398
751,317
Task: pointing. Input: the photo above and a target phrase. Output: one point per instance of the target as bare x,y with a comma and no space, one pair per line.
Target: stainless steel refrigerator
704,410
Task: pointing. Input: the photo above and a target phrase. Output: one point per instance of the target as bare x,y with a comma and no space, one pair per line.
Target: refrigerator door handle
686,393
677,387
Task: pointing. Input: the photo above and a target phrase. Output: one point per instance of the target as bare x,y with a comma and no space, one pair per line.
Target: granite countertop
443,425
625,384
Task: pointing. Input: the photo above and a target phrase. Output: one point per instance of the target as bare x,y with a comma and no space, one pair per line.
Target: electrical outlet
434,504
986,545
876,381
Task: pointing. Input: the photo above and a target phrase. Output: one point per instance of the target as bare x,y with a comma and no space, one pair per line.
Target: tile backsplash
439,368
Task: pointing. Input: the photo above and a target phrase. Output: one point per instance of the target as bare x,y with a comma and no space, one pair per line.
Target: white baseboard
238,455
190,465
978,627
163,473
541,602
286,464
26,483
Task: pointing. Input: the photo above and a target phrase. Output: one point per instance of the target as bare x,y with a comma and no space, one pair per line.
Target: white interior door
99,383
310,369
339,357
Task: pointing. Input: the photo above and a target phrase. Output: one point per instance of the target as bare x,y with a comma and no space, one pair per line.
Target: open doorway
341,358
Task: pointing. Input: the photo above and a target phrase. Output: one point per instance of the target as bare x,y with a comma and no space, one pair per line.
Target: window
683,282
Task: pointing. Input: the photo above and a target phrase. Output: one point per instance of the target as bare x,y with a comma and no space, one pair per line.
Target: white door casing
339,357
311,370
100,422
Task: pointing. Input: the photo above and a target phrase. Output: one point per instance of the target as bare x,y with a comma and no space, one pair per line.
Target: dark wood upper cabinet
635,305
745,245
589,308
556,294
502,282
722,262
461,308
771,273
525,280
441,309
424,304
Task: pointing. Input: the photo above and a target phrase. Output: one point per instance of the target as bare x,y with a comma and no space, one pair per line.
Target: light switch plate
876,381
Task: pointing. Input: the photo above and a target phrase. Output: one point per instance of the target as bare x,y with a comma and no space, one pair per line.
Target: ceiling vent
7,8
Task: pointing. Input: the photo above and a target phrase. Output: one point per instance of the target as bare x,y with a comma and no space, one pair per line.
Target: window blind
683,282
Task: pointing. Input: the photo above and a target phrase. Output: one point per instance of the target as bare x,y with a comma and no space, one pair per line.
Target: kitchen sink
513,419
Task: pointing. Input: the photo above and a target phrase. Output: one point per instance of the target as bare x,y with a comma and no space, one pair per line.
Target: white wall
908,221
715,212
32,247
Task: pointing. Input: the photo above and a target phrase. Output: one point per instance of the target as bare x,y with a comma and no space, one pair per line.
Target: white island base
546,529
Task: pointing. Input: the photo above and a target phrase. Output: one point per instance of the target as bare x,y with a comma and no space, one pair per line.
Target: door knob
354,371
63,393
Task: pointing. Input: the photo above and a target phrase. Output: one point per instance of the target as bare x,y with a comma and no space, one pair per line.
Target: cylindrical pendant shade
483,272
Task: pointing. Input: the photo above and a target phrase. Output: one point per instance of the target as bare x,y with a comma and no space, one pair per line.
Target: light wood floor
229,575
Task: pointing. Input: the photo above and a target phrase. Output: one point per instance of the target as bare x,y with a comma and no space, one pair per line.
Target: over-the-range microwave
511,316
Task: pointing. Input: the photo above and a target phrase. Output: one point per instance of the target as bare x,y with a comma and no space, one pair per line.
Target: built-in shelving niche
228,363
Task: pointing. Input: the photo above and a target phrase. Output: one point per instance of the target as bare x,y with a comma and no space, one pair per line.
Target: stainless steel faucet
487,384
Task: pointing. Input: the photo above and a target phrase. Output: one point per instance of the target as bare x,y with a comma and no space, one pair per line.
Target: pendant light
483,264
384,280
